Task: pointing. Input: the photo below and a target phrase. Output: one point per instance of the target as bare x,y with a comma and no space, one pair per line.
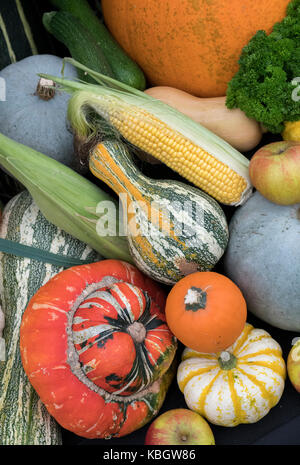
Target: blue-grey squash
263,259
33,117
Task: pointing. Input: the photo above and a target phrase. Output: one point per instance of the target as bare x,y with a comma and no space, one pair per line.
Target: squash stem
227,360
195,299
45,89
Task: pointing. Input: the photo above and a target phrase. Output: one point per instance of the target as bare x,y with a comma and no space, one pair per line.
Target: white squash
239,385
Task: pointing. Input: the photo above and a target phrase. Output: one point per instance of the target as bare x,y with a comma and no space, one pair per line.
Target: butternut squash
233,126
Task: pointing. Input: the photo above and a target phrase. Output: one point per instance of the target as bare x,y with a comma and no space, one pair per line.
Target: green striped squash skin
24,420
198,232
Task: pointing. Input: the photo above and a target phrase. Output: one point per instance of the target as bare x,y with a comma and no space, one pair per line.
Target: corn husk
66,199
110,94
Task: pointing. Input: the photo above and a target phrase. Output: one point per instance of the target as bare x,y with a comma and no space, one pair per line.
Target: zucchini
123,67
24,420
81,44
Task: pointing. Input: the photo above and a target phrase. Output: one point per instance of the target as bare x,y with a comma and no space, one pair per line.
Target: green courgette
81,44
124,68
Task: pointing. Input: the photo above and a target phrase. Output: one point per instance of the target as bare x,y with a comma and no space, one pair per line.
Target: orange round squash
206,311
192,45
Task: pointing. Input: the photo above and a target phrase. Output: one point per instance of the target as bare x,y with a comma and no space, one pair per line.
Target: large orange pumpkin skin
192,45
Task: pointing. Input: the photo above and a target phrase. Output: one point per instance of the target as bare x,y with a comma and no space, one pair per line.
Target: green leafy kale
263,87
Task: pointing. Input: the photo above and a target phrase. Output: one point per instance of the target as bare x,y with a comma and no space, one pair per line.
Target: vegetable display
263,259
231,125
96,348
192,45
206,311
263,87
23,418
67,199
238,385
198,155
172,229
149,221
46,128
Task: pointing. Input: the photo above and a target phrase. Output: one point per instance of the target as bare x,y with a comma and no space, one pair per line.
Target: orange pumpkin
193,45
206,311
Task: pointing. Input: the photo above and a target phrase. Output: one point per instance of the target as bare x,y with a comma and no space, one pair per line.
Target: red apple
293,365
179,427
275,172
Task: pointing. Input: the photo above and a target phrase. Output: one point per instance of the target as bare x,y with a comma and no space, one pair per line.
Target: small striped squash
173,229
239,385
24,420
96,348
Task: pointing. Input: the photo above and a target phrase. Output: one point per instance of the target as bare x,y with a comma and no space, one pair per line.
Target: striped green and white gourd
24,420
173,229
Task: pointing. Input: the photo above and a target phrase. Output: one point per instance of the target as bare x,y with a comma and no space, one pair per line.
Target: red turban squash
96,348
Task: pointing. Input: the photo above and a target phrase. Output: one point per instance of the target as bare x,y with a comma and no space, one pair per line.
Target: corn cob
185,146
65,198
183,156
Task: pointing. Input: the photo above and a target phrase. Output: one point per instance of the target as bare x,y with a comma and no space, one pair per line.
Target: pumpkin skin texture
30,120
206,311
192,45
239,385
263,259
84,354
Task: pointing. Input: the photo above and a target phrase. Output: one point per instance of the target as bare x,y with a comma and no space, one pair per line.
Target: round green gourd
263,259
31,120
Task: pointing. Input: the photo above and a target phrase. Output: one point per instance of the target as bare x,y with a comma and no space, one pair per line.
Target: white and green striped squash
24,420
173,229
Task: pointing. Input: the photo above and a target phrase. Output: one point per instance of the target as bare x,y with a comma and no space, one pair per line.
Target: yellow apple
293,365
275,172
179,427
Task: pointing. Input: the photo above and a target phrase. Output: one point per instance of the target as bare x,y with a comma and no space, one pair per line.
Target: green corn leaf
66,199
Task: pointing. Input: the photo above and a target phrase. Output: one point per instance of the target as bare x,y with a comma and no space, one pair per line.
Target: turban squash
96,348
192,45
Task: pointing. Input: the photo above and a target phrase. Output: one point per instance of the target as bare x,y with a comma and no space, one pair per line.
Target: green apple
179,427
275,172
293,365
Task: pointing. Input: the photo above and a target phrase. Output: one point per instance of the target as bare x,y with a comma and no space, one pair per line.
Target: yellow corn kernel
150,134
